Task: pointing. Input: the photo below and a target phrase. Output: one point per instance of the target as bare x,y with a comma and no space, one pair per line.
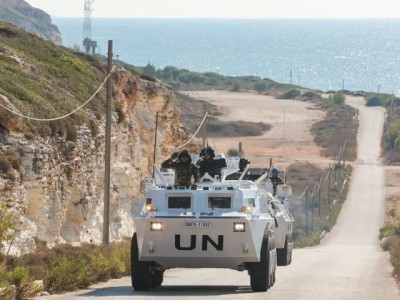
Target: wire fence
318,195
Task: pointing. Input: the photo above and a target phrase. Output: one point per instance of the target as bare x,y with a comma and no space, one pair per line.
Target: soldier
275,179
184,169
205,163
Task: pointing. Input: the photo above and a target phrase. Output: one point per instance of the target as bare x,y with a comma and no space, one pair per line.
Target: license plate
198,224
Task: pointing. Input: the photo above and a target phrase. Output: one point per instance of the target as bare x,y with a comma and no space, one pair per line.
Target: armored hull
218,223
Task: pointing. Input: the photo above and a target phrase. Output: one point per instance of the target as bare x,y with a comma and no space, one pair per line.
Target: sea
324,54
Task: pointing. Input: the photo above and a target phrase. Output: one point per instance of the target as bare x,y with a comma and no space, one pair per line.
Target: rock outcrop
23,15
59,187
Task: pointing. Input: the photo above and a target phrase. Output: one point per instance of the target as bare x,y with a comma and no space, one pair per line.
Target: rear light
239,227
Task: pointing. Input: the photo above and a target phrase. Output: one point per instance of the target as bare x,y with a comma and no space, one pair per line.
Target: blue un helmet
274,170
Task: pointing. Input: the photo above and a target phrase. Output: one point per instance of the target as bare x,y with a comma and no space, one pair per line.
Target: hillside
23,15
52,172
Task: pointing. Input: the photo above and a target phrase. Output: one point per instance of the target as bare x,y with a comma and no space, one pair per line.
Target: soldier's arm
195,173
168,164
171,162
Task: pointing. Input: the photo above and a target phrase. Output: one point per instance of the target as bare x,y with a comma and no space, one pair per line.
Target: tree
236,87
260,86
7,221
375,101
232,152
150,70
291,94
337,98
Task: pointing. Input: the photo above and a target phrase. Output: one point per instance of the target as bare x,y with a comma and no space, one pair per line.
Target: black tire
260,276
157,278
274,262
140,270
285,254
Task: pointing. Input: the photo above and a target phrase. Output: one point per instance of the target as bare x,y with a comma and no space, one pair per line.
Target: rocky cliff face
21,14
59,189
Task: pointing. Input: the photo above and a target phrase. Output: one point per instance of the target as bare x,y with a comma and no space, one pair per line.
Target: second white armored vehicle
284,223
217,224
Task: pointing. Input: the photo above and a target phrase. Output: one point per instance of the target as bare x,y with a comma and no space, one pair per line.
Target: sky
261,9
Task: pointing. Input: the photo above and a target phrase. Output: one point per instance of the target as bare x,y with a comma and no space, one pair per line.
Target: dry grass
66,268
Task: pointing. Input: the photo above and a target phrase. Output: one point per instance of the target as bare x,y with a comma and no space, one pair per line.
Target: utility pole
107,158
204,133
155,143
343,85
290,76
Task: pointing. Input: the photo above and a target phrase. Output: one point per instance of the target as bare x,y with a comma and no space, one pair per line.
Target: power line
64,116
197,131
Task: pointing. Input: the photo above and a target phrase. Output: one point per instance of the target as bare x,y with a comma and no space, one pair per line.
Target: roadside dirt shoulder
392,207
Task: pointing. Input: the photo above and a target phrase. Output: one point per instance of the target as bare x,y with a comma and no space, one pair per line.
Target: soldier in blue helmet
275,179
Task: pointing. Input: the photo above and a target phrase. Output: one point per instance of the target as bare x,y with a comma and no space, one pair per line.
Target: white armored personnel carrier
217,224
284,223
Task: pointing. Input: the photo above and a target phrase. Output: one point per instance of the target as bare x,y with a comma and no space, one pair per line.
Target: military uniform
206,166
275,181
183,170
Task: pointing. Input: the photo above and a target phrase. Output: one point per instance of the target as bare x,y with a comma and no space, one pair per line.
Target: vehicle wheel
273,263
140,270
157,278
260,272
285,254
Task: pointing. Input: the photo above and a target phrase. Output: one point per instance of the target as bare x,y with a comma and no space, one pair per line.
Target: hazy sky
225,8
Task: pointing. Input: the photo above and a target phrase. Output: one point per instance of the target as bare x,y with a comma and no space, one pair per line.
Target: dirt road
349,264
289,138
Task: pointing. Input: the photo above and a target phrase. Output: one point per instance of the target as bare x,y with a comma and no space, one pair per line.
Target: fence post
329,185
307,209
319,197
312,208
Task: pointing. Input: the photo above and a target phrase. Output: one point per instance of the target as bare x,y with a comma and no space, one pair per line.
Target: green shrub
100,266
375,101
337,98
236,87
20,278
388,231
233,152
66,268
67,273
260,86
291,94
311,95
7,221
395,258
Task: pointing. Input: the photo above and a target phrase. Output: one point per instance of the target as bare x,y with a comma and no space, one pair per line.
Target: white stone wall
59,193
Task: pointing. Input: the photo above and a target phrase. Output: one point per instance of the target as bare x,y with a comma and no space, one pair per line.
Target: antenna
284,143
88,41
